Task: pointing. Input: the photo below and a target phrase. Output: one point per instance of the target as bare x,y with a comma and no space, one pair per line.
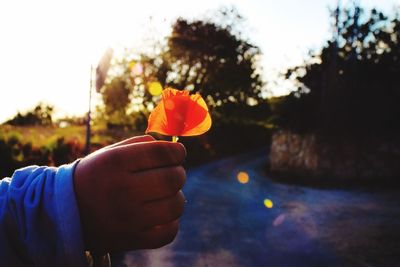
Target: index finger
132,140
149,155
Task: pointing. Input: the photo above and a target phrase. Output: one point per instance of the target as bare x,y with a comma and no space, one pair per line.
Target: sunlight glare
66,37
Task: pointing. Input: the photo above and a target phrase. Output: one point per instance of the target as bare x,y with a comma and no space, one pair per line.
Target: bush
35,156
63,152
9,152
14,154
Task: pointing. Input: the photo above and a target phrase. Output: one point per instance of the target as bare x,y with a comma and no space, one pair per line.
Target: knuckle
181,151
177,208
174,151
179,176
173,179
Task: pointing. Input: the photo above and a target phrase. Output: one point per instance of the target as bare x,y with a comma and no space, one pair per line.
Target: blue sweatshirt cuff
68,216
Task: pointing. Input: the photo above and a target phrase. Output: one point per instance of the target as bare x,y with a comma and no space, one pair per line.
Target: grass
42,136
45,136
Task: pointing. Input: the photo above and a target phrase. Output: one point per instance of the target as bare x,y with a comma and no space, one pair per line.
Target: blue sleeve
39,219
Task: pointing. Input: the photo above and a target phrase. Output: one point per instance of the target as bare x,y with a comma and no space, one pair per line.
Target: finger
132,140
155,237
162,211
159,236
152,184
148,155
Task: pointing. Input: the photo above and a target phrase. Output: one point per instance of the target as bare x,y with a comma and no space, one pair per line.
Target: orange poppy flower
179,114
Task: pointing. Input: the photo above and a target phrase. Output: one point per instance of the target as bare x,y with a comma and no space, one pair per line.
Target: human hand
129,194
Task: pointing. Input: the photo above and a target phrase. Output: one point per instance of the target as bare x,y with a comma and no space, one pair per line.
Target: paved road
227,224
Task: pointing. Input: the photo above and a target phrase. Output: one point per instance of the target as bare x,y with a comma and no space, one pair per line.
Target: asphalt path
228,223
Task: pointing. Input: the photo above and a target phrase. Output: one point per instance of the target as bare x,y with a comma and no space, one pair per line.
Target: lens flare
268,203
155,88
243,177
279,220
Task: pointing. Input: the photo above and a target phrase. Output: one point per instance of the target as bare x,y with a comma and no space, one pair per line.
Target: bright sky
47,47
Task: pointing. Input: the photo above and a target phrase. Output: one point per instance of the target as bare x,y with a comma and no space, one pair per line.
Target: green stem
175,138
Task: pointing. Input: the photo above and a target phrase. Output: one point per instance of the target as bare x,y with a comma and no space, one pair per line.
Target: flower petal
179,114
158,120
201,128
198,119
176,109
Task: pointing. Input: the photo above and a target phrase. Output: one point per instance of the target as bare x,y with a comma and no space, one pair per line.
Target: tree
210,59
116,97
352,84
41,114
204,56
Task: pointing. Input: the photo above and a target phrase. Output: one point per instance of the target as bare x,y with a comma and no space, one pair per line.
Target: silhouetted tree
353,83
40,115
116,97
210,57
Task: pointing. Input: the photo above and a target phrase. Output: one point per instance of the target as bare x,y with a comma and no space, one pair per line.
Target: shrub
63,152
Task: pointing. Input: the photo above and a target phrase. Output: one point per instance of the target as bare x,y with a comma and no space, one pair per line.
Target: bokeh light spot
243,177
268,203
169,104
136,68
155,88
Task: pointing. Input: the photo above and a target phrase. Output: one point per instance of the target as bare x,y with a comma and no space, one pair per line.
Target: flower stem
175,138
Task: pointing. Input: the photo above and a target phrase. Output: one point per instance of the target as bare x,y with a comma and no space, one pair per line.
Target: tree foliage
41,114
116,98
353,83
214,59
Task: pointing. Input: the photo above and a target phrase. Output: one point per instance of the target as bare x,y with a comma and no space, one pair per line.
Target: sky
48,46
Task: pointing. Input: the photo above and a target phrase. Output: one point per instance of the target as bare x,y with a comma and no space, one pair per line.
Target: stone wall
356,157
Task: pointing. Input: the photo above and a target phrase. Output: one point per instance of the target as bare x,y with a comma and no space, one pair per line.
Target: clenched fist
129,194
